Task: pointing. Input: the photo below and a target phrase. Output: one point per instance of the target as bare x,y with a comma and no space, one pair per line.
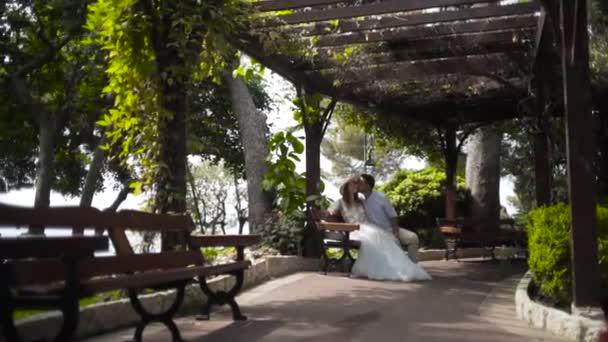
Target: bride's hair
348,197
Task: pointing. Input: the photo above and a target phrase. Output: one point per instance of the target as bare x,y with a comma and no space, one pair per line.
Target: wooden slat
121,243
139,262
450,230
471,65
278,5
28,272
54,217
450,46
337,226
350,26
502,19
421,32
383,7
48,247
224,240
142,221
153,278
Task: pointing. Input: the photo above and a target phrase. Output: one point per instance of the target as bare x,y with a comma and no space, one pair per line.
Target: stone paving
471,300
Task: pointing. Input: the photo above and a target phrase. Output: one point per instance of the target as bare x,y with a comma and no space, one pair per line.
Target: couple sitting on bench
380,256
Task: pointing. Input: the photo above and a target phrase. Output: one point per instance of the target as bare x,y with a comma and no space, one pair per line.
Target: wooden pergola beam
471,65
421,32
398,21
449,46
280,5
378,8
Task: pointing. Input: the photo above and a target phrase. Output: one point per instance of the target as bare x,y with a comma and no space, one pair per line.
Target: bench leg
68,305
7,308
489,252
222,298
325,260
165,317
451,247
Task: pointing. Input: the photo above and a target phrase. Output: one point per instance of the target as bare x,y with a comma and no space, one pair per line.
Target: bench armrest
224,240
337,226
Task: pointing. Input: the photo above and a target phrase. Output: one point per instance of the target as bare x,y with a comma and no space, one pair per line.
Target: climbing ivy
152,46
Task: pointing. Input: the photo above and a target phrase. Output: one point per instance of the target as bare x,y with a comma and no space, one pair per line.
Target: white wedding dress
380,256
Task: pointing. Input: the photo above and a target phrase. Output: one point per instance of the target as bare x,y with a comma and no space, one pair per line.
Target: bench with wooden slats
337,235
462,232
45,272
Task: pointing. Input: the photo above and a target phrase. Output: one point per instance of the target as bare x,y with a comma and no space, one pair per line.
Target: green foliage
284,232
344,145
46,74
549,244
418,197
213,254
517,160
281,176
84,302
154,47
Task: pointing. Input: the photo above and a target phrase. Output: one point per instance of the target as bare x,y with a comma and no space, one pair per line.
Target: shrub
284,232
419,198
549,247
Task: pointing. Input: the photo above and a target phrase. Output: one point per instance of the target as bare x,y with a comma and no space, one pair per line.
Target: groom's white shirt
379,210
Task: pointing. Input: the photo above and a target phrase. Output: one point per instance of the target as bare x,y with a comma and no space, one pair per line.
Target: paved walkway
466,301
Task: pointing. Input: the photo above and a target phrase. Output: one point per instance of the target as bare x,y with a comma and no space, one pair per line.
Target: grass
84,302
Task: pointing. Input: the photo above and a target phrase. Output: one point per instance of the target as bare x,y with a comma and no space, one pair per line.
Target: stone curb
103,317
560,323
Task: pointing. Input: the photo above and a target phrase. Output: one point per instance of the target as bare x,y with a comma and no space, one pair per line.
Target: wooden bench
461,232
337,235
47,273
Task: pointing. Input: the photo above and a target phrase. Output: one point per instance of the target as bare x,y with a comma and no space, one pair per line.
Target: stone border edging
103,317
560,323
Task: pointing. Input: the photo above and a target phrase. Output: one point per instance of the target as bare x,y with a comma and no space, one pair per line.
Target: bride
380,256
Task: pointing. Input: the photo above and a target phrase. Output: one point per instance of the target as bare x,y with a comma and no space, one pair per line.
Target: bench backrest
36,271
470,224
75,218
143,221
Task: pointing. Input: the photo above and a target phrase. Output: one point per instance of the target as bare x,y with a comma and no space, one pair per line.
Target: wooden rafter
384,7
398,21
449,46
279,5
469,65
420,32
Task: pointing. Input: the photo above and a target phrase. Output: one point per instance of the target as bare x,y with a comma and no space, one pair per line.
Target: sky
279,118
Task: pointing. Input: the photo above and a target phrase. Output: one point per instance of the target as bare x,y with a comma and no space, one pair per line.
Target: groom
381,213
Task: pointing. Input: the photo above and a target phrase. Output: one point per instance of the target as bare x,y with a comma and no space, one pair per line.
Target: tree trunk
603,155
121,197
252,128
451,165
313,240
44,168
93,176
483,177
171,183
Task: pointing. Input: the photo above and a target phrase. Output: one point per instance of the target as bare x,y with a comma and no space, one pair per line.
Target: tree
209,192
51,97
156,50
431,142
483,176
344,146
254,139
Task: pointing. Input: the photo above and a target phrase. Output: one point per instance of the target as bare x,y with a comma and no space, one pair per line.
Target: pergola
449,63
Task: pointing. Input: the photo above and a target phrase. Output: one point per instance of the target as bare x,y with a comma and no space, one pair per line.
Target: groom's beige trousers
410,239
